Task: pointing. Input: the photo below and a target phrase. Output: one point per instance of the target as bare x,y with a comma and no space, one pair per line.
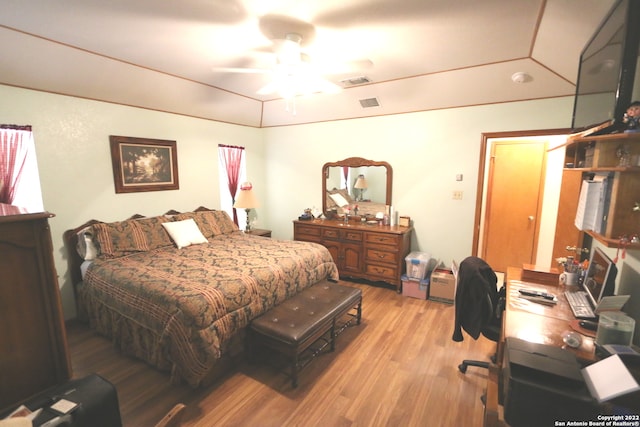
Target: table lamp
246,199
361,184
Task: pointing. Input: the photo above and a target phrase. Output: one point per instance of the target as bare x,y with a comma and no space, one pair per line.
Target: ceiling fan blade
275,27
288,87
241,70
353,66
330,87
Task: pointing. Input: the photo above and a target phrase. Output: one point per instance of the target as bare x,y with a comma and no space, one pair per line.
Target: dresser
33,342
360,250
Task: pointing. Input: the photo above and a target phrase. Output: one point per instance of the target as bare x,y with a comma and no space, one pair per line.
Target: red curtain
345,173
232,158
13,155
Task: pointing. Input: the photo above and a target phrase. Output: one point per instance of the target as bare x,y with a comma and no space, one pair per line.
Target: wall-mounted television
608,75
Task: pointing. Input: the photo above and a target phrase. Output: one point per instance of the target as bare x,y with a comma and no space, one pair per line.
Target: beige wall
426,151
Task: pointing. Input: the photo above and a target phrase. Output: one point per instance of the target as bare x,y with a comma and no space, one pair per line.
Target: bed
178,290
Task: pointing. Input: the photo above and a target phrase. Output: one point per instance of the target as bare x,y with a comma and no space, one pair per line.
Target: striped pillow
121,238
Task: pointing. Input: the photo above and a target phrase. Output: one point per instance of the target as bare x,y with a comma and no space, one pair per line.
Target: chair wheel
462,368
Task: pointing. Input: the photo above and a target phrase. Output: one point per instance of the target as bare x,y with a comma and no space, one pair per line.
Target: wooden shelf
599,154
631,169
612,243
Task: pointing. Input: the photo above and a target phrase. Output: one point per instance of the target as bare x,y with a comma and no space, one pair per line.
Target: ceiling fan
292,70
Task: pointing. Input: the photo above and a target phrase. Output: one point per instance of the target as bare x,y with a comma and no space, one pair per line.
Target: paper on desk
612,303
540,300
609,378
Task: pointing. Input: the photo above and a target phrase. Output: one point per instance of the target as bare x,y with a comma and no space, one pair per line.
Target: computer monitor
601,276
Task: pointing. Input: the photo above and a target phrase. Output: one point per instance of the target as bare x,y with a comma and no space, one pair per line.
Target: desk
543,324
539,323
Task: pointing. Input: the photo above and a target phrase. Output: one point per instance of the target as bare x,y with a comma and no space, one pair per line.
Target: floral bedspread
178,308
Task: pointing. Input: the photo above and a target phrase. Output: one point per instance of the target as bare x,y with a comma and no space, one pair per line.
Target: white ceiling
426,54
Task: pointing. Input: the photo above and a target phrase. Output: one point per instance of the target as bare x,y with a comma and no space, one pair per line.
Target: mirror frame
355,162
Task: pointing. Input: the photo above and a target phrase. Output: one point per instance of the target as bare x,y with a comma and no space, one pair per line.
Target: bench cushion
299,317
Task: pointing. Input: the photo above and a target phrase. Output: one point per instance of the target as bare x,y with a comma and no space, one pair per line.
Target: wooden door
352,258
513,206
334,250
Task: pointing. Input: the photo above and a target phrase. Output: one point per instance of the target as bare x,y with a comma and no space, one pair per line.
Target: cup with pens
573,271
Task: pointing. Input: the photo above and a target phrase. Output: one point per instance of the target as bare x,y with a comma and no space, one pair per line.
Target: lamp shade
245,197
361,182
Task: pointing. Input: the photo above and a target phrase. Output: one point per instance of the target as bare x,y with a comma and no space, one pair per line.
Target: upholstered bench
292,327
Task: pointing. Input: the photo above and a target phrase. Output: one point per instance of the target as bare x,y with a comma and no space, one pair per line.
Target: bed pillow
224,222
118,239
211,223
184,233
205,220
343,192
154,232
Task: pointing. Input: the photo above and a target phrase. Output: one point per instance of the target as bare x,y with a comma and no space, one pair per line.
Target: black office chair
478,305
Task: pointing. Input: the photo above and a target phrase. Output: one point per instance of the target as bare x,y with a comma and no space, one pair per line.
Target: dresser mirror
356,183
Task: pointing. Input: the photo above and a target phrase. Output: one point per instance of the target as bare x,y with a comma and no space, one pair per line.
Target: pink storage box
415,288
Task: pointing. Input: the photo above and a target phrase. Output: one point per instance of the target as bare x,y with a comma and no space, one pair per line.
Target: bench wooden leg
294,371
333,335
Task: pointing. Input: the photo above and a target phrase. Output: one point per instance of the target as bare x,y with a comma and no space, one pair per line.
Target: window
19,178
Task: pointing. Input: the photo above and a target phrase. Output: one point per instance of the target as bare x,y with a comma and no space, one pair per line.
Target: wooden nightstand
259,232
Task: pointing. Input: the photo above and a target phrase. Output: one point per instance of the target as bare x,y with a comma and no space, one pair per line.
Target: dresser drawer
377,255
381,239
383,271
348,235
307,230
307,233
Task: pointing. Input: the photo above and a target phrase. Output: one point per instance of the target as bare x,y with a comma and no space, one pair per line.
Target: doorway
509,205
513,203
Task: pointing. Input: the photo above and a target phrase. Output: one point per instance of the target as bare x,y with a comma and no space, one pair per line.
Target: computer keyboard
579,303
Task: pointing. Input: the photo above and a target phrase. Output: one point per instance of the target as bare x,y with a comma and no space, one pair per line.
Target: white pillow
184,233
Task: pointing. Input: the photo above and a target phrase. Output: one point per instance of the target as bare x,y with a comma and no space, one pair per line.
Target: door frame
483,174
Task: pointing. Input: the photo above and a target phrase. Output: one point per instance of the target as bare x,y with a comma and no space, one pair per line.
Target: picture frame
404,221
144,164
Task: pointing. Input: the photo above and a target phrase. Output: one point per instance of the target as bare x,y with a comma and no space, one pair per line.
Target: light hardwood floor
398,368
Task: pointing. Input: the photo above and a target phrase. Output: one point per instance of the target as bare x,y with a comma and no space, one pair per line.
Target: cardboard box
418,265
442,286
415,288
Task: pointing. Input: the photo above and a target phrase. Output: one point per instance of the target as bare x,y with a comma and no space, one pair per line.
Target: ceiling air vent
369,102
354,81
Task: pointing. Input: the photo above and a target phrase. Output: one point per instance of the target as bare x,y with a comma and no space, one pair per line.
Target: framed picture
404,221
141,164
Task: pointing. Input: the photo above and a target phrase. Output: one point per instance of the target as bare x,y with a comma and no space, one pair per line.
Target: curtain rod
230,146
16,127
